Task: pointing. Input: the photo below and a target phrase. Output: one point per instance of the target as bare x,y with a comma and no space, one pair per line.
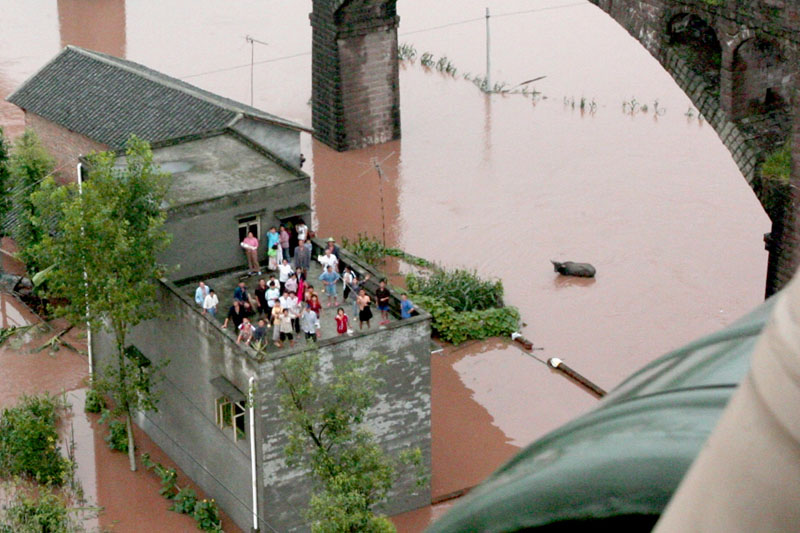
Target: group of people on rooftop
287,302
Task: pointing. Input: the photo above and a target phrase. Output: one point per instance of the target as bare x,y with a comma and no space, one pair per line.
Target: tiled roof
106,99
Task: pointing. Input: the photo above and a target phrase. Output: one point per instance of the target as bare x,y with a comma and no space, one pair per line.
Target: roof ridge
182,86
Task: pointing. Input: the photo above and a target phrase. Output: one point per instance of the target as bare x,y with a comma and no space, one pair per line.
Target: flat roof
216,166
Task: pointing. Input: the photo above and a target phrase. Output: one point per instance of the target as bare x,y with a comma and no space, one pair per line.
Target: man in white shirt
329,259
272,294
302,231
210,303
284,271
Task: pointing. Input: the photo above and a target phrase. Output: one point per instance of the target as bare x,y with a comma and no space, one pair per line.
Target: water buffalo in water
570,268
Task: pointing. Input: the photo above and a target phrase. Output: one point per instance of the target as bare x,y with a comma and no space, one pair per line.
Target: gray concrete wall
205,235
184,426
400,419
281,141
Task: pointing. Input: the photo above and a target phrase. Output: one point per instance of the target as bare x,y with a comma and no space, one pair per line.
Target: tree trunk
131,445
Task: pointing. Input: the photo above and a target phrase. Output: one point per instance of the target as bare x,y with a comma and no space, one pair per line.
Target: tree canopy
325,423
103,255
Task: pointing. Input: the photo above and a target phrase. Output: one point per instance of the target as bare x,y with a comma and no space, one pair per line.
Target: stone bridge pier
355,73
738,62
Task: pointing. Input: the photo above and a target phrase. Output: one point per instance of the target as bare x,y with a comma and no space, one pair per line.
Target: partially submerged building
235,169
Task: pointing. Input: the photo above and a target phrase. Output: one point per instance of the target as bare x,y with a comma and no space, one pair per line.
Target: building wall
281,141
400,419
64,145
205,236
184,426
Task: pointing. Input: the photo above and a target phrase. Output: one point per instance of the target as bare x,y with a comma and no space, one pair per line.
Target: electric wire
413,32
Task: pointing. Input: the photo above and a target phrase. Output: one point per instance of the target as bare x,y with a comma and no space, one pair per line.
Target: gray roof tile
107,99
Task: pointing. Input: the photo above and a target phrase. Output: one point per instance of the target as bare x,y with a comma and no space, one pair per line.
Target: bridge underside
737,61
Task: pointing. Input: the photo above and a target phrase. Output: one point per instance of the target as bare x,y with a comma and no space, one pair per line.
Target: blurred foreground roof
619,464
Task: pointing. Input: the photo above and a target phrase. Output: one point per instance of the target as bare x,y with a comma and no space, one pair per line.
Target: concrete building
206,426
224,185
84,100
235,169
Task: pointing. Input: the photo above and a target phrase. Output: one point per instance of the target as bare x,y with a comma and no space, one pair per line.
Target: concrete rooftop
214,167
225,284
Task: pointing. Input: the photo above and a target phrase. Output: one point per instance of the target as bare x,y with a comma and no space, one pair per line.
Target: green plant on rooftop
462,305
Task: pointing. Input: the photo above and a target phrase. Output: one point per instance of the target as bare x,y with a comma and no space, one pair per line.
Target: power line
413,32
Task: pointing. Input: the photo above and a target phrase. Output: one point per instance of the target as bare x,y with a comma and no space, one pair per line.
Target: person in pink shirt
250,246
283,238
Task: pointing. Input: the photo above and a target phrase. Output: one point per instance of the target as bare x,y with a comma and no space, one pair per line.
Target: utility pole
379,170
252,40
488,60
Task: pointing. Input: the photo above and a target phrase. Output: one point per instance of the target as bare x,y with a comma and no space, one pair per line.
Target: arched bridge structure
736,59
738,62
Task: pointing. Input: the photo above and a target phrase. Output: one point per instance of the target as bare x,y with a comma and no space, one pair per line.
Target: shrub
94,402
206,514
117,438
184,501
773,186
461,289
457,327
29,441
36,511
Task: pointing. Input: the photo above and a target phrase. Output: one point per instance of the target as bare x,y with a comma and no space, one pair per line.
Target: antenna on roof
374,163
252,40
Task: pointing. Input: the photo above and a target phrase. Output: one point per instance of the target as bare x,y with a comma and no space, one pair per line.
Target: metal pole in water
557,364
488,60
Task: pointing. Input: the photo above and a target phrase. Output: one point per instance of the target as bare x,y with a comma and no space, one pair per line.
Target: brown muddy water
501,184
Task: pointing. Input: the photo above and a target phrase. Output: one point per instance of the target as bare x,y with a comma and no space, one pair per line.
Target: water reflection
348,191
98,25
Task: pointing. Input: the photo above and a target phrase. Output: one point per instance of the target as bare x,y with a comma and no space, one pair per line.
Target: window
231,414
248,224
145,368
230,408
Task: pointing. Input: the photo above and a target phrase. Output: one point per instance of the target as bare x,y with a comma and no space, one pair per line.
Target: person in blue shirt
329,279
200,293
273,238
406,307
240,293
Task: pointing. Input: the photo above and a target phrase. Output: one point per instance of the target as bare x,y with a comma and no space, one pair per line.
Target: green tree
325,423
5,179
103,254
28,165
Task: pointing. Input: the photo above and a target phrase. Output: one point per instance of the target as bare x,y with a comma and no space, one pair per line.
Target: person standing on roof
283,238
273,243
250,246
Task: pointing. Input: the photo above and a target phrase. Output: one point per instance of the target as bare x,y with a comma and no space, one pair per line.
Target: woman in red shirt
341,321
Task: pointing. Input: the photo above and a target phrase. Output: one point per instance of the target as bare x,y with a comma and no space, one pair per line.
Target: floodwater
499,183
130,501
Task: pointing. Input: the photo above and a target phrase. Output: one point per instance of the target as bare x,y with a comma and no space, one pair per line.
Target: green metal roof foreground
621,462
107,98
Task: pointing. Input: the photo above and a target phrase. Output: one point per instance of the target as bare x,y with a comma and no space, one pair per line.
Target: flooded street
499,183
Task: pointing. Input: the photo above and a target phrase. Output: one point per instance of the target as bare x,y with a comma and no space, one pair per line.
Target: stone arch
696,42
355,11
761,78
